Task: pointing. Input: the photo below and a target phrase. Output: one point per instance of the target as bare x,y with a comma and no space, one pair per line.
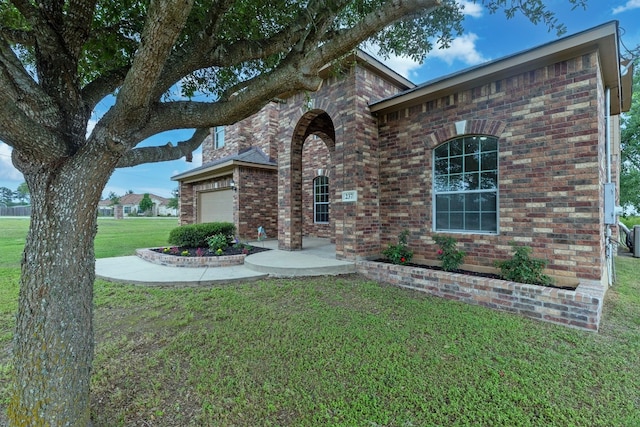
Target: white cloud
197,160
630,5
462,49
90,126
470,8
7,171
400,64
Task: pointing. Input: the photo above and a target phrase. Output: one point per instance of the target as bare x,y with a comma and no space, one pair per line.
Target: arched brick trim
465,127
313,122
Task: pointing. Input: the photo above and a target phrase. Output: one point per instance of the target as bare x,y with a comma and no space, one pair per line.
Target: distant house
523,148
130,203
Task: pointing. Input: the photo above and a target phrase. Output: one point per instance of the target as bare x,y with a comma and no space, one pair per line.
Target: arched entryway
305,181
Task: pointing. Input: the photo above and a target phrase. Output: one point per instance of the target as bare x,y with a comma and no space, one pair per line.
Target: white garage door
215,206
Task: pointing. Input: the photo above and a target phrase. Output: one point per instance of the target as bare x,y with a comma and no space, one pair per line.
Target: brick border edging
189,261
580,308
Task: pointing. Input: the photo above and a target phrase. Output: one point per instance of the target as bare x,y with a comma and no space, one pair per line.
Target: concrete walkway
317,258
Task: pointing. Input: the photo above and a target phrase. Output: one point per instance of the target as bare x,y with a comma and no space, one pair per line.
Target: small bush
400,253
630,221
451,257
195,235
217,242
522,268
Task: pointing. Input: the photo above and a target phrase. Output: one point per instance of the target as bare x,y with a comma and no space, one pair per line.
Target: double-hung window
465,185
321,200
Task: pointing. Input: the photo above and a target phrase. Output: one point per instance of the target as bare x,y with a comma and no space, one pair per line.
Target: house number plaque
350,196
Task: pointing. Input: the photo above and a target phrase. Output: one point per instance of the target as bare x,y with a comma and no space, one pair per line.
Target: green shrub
195,235
451,257
217,242
630,221
522,268
400,253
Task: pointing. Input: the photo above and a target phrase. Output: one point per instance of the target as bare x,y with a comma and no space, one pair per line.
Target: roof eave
603,38
217,170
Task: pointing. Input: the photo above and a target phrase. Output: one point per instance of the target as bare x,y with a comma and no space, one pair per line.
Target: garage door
215,206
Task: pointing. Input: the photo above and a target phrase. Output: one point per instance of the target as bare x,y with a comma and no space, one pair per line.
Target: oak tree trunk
54,341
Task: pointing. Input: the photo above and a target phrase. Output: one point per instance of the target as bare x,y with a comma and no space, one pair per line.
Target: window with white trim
218,137
321,200
465,185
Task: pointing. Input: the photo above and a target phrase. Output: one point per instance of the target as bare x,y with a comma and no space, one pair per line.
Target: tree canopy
61,58
146,204
630,151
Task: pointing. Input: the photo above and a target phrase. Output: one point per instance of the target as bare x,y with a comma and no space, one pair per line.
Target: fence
15,211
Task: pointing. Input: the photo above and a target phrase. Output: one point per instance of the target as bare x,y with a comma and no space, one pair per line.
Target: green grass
630,221
344,351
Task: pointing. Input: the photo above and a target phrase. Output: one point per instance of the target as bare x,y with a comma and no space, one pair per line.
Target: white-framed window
218,137
465,185
321,200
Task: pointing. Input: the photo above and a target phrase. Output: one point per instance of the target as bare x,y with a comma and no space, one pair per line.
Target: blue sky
486,37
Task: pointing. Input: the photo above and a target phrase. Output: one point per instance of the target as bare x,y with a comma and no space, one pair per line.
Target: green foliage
146,204
630,150
114,198
218,242
6,195
451,257
22,192
399,253
195,235
117,28
630,221
173,203
522,268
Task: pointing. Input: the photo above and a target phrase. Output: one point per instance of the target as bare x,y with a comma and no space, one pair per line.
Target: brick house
129,205
517,149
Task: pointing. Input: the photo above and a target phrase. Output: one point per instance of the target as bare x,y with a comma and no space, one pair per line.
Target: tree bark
54,341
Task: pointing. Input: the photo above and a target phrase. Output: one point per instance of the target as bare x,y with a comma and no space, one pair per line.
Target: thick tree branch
164,23
190,114
299,71
164,153
28,114
105,84
22,37
77,24
349,39
207,51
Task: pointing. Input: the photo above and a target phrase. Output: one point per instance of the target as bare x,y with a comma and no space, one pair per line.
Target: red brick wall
548,122
258,201
354,160
256,131
187,214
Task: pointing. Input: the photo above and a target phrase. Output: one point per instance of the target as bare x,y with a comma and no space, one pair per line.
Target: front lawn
344,351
